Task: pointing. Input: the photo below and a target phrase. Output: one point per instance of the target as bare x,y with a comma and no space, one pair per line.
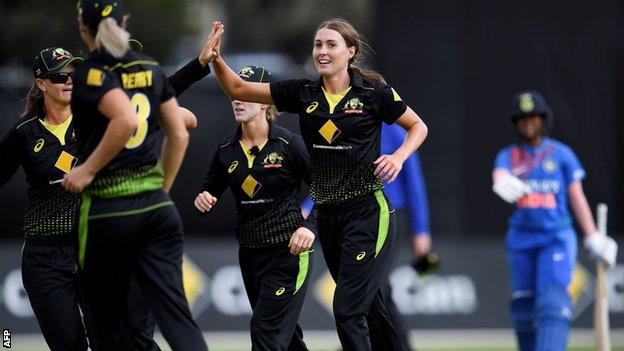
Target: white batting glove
510,188
601,248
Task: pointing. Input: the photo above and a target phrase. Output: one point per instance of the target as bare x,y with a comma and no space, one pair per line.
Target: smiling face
331,54
59,93
247,111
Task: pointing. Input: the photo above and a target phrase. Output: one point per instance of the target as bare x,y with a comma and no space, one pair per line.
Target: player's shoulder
507,148
287,137
278,132
26,122
560,146
226,143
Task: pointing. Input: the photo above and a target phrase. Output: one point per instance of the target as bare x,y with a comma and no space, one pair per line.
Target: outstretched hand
213,44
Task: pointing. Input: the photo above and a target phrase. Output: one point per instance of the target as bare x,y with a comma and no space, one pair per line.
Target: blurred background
457,63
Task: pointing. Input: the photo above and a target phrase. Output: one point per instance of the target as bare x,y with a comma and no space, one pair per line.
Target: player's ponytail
353,38
113,38
34,102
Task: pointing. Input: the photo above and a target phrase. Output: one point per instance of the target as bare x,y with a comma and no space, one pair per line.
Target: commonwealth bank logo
251,186
329,131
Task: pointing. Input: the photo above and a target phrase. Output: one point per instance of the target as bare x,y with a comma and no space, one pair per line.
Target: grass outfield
423,339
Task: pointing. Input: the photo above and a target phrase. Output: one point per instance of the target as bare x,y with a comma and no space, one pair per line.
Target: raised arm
235,87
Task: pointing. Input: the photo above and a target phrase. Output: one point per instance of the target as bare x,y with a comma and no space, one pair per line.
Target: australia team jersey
266,186
135,168
46,153
341,132
548,169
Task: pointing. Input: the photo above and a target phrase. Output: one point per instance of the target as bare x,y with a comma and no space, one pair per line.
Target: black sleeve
390,105
300,158
91,83
187,76
303,166
216,180
286,94
310,222
167,91
8,156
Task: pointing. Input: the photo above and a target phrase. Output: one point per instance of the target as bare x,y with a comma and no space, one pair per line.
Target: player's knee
522,311
553,302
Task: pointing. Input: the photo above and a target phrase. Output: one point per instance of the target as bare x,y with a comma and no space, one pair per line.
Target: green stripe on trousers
384,221
304,262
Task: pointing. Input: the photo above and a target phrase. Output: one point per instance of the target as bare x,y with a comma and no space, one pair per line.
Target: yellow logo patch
360,256
312,107
65,162
329,131
280,291
39,145
251,186
107,10
95,77
395,95
233,166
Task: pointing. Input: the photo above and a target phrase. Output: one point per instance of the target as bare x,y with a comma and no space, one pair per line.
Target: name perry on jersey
137,80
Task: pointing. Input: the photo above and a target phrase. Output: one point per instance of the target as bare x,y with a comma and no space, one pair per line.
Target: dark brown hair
34,101
353,38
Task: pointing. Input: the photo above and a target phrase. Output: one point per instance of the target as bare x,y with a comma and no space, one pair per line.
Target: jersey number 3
141,104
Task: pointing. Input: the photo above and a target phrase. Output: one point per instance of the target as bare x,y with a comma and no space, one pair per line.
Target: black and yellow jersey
341,131
135,169
46,153
266,183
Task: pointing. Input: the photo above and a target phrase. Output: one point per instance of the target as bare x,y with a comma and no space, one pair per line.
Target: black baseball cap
94,11
52,60
255,74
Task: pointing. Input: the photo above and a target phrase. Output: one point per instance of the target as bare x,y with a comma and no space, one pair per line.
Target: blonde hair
353,38
271,113
113,38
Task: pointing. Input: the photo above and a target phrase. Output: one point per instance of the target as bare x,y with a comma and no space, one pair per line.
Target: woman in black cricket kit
264,164
128,225
340,120
43,142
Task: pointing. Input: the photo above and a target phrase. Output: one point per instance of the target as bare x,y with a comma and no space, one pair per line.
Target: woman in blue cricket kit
538,176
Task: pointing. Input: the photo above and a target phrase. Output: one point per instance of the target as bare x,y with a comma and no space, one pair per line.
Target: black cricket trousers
357,239
138,236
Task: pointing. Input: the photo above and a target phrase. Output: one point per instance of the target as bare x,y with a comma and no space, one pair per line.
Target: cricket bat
601,305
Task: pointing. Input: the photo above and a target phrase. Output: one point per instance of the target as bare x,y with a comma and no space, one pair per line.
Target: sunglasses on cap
59,78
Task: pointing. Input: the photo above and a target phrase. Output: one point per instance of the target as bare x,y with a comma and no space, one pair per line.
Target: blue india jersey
548,169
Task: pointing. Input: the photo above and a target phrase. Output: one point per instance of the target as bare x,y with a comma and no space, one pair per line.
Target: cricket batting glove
510,188
601,248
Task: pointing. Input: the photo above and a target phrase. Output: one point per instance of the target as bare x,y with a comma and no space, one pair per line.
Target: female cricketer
43,142
340,120
264,165
539,175
128,225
